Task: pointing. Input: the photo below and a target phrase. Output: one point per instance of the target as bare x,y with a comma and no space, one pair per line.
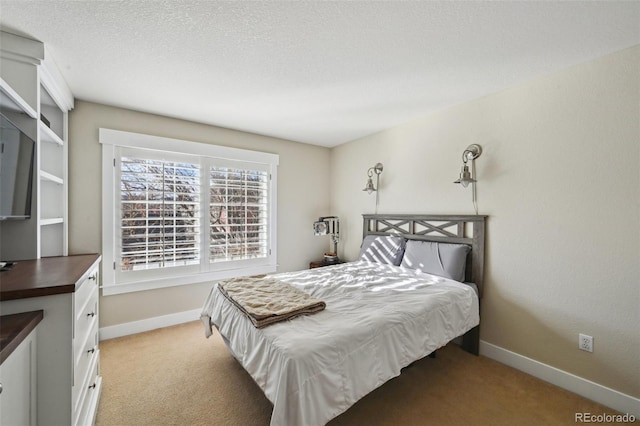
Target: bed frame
458,229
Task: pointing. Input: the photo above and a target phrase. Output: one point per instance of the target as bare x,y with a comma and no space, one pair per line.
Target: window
238,214
159,213
184,212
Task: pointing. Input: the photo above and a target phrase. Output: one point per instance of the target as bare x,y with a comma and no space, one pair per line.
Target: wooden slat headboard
458,229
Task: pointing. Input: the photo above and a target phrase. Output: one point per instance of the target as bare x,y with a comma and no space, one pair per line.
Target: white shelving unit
55,102
34,96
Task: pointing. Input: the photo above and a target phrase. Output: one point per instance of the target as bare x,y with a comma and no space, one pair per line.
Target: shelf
51,178
51,221
10,99
35,97
48,135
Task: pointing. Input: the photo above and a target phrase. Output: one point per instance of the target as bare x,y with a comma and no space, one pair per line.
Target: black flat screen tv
17,152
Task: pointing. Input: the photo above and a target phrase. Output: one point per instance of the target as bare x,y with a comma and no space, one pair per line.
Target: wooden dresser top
45,276
15,328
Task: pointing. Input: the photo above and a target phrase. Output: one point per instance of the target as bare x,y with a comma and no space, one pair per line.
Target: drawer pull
92,277
93,386
92,350
91,314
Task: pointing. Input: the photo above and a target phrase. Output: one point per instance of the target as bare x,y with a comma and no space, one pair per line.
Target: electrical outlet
585,342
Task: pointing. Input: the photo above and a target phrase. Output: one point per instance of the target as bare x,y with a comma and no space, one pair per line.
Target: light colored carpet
175,376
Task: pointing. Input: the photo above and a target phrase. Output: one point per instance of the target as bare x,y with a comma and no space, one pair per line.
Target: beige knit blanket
267,300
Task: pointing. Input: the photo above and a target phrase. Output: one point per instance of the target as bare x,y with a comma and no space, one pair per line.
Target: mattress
378,319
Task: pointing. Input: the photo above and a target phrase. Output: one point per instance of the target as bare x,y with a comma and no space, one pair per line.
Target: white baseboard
586,388
134,327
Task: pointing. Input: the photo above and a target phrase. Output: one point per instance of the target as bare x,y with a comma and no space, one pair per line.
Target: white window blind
238,209
159,217
184,212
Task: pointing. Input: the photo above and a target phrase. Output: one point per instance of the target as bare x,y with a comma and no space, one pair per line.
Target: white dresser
68,356
18,372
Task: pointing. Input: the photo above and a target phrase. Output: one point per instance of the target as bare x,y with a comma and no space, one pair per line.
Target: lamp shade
320,228
369,188
465,177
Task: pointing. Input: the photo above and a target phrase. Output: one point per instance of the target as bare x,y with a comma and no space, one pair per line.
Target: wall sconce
467,177
377,169
470,154
329,225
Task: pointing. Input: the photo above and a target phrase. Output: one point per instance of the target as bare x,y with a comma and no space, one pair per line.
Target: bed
383,312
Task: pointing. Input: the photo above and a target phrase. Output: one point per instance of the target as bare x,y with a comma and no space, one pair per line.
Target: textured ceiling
317,72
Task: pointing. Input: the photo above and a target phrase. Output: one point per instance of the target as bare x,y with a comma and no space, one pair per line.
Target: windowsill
113,289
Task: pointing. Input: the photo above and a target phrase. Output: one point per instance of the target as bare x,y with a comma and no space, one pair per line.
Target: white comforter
378,319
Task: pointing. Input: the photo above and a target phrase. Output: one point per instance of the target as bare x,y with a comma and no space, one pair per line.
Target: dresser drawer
84,358
88,393
85,320
83,296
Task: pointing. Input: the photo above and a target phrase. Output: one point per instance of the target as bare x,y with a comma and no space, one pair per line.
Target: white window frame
112,281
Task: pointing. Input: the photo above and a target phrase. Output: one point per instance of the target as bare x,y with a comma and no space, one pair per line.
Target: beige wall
303,195
560,181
